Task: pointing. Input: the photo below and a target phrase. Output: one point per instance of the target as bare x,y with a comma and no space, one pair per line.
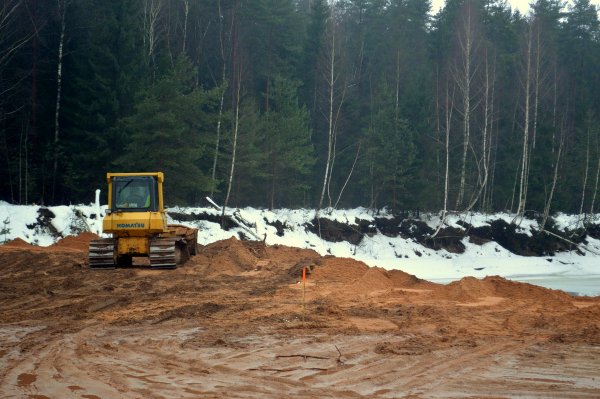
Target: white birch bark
221,100
464,77
186,12
449,105
62,9
330,132
152,10
585,175
486,134
526,124
595,191
554,180
235,137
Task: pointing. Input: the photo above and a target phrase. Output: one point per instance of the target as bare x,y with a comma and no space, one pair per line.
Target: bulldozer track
102,254
162,253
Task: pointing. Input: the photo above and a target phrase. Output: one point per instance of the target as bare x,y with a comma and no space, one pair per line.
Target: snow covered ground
568,271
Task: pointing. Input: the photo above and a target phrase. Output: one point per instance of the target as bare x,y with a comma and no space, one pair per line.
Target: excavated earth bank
236,321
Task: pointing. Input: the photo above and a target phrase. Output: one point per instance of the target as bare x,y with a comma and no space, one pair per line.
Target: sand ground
237,322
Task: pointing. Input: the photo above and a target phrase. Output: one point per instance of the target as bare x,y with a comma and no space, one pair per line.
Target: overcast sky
521,5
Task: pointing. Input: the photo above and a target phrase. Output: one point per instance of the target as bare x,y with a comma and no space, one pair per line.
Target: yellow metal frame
133,230
160,177
133,246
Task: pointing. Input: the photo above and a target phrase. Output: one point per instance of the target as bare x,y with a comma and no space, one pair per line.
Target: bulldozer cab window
135,193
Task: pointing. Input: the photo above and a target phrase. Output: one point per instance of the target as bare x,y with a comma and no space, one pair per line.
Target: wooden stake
303,292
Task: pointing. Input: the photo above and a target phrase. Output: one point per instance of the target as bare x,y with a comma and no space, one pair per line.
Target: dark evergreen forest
304,103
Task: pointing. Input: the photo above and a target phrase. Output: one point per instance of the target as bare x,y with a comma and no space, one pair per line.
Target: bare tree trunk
595,185
554,101
489,202
585,175
535,85
152,10
464,77
6,155
24,165
438,131
235,136
526,124
487,128
21,146
449,106
536,101
349,175
62,10
331,130
186,5
536,80
273,179
554,180
221,100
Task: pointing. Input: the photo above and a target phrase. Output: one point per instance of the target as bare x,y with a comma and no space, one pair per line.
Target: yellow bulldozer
137,221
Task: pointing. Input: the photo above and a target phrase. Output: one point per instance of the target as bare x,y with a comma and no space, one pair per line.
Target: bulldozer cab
134,194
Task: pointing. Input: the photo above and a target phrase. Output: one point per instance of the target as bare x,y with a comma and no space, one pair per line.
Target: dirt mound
581,325
80,242
466,289
18,243
343,270
471,289
229,256
401,279
585,316
375,279
287,256
512,289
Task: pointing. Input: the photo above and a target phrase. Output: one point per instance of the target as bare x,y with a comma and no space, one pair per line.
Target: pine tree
290,154
101,76
169,132
390,154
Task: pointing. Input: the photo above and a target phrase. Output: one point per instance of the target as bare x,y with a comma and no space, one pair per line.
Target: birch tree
186,13
62,6
465,71
152,30
448,107
236,126
596,180
556,162
222,93
335,100
483,165
527,114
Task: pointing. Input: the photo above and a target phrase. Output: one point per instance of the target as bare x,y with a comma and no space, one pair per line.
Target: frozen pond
574,285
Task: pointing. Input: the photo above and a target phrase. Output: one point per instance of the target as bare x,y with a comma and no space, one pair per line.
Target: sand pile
465,290
18,243
375,279
512,289
581,325
472,289
78,243
228,257
340,270
402,279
